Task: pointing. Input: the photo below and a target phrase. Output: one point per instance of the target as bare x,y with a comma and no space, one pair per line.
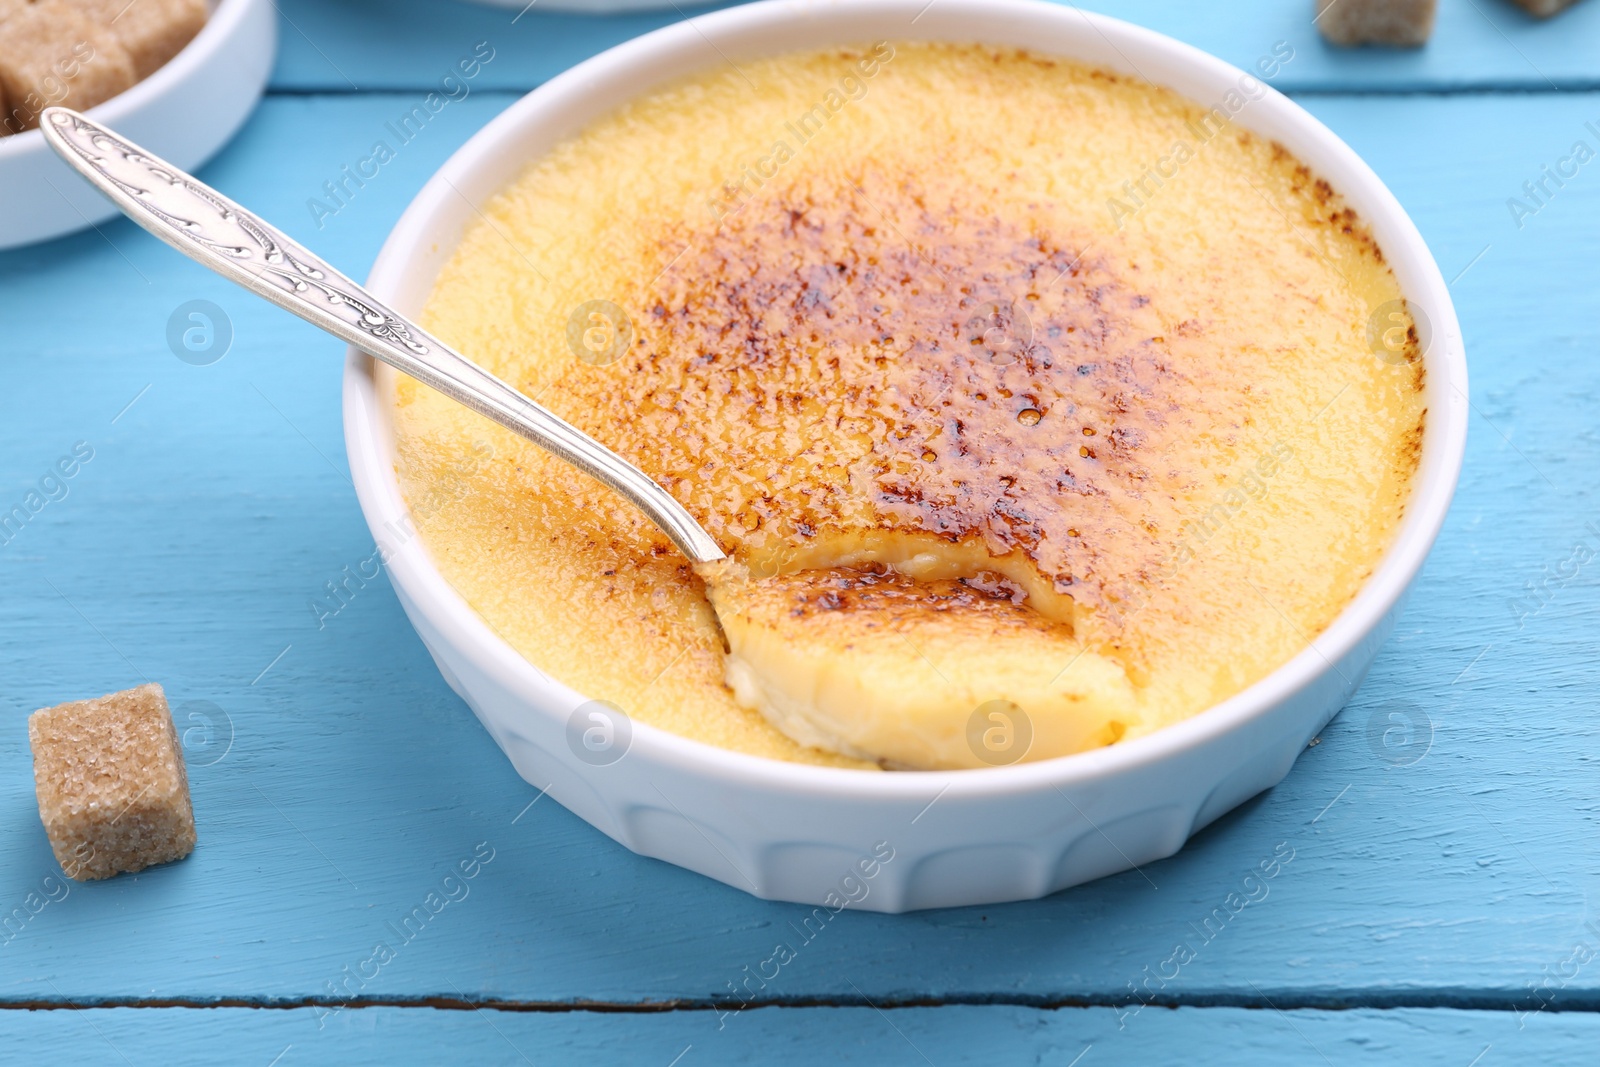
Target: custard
1031,398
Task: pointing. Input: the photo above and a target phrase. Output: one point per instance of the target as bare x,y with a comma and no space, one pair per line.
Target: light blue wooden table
1443,903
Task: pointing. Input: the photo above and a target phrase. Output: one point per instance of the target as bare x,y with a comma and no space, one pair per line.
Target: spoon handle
219,234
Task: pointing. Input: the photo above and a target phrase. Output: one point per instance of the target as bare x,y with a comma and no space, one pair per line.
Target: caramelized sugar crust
888,354
900,603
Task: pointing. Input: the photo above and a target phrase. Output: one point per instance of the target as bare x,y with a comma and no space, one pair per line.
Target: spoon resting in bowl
846,681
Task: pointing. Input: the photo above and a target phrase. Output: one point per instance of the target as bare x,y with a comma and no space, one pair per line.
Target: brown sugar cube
113,792
1405,23
7,9
1544,8
153,31
51,54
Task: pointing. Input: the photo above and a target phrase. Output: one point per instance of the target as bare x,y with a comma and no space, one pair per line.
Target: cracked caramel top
878,351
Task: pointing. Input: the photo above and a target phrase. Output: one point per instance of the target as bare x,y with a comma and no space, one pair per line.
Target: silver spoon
219,234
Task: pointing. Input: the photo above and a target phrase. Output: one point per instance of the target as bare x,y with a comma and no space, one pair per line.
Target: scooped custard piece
840,658
1037,407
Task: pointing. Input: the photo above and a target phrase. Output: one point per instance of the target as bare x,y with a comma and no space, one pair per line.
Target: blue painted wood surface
856,1037
1446,888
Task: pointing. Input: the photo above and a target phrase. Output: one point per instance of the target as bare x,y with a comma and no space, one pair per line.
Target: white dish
798,833
184,113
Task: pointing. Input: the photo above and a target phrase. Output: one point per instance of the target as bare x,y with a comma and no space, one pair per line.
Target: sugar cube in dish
50,53
153,31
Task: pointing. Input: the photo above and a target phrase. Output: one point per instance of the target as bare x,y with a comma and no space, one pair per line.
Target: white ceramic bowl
184,113
799,833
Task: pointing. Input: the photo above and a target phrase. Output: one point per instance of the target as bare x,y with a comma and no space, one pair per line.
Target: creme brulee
1028,399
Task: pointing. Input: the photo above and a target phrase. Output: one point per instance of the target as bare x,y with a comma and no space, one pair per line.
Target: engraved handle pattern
219,234
214,226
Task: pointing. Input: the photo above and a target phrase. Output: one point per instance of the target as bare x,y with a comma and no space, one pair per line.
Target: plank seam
1587,1003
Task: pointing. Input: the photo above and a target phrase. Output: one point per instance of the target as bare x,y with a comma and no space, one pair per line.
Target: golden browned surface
113,791
851,340
956,317
899,602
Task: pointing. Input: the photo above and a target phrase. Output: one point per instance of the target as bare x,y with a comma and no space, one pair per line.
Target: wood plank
216,506
414,43
949,1037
